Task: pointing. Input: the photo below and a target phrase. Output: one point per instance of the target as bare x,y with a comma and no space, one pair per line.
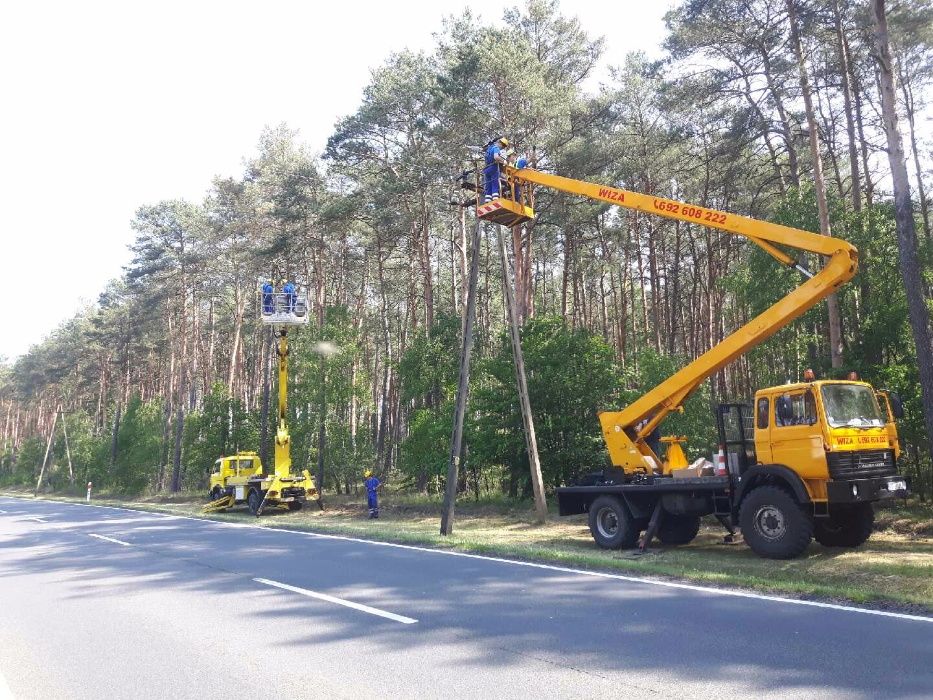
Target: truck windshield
851,406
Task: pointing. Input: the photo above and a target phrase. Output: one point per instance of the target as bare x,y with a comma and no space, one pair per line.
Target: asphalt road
107,603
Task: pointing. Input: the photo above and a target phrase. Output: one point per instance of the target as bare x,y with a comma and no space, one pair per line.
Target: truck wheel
678,529
845,527
295,505
254,500
611,523
774,524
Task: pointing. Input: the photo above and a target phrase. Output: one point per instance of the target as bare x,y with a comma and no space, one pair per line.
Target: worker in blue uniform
496,155
267,299
289,290
372,498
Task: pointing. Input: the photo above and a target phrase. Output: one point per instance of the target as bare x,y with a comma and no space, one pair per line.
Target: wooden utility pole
463,388
531,441
71,473
48,449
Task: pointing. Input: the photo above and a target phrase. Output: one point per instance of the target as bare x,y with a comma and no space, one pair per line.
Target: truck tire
846,526
774,524
295,505
678,529
612,524
254,500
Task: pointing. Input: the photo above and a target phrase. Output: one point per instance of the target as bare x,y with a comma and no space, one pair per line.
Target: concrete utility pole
531,441
463,388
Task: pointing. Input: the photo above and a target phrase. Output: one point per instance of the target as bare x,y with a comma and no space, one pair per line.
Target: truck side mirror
897,406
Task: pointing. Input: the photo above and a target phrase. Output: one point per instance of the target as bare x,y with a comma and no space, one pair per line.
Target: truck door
884,401
736,435
796,437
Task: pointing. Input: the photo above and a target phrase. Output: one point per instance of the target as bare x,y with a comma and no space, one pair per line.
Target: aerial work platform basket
514,204
505,212
283,308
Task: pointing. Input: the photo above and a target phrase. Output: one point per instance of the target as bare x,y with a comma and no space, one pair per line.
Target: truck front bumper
880,488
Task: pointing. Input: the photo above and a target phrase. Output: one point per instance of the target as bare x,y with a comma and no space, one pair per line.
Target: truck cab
833,435
233,470
808,460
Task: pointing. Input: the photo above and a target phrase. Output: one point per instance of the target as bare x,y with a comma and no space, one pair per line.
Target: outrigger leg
221,503
653,526
726,523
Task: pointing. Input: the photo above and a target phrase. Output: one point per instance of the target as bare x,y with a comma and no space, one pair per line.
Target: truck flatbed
657,485
570,499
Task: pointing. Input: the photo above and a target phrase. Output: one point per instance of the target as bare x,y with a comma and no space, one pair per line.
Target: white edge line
32,517
110,539
533,565
338,601
2,511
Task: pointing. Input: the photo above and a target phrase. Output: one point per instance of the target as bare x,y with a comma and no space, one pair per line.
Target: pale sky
107,106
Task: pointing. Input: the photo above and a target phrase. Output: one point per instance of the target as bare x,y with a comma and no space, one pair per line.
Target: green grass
893,569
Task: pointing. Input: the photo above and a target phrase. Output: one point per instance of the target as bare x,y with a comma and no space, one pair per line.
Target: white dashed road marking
110,539
338,601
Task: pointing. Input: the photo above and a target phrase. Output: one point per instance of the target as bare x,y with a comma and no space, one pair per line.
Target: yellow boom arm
627,446
283,458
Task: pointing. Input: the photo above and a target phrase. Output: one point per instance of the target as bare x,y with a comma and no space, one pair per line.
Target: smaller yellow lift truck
805,460
242,478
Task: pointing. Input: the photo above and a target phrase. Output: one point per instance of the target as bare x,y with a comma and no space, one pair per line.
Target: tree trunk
904,218
166,443
921,190
842,47
531,440
322,425
264,410
176,462
832,301
113,437
860,127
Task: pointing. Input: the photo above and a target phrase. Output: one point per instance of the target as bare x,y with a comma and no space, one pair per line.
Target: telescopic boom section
627,444
283,459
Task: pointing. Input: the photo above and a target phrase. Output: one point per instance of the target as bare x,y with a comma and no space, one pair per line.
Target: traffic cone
721,468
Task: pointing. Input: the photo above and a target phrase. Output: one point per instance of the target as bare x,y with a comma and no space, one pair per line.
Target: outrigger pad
504,212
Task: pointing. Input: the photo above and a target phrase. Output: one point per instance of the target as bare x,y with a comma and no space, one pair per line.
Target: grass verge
893,570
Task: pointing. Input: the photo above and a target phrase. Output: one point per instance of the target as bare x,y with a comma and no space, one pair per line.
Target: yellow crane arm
283,459
627,446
